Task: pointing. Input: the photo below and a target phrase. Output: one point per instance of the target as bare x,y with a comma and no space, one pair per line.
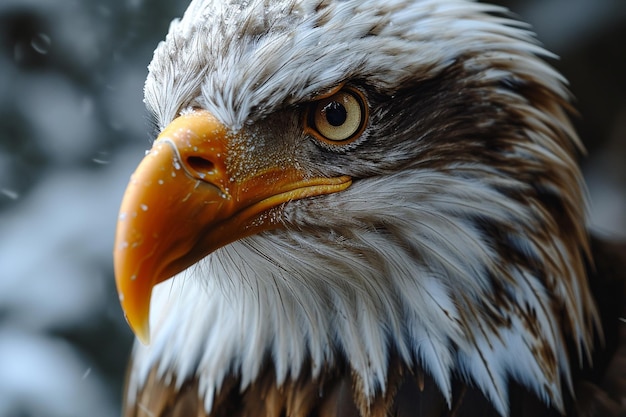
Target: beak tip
135,304
143,335
141,330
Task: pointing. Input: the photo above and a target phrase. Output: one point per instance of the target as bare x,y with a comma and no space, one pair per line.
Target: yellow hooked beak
182,204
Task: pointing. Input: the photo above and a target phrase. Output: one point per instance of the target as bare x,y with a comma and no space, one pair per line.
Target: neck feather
424,282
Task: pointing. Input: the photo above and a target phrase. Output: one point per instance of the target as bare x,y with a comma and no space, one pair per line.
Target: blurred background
73,127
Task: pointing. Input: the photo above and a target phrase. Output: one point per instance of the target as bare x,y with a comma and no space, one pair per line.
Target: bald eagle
371,208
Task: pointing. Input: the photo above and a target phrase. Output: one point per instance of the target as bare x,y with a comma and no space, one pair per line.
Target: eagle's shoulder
411,392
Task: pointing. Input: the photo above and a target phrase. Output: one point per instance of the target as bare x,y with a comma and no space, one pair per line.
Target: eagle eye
339,118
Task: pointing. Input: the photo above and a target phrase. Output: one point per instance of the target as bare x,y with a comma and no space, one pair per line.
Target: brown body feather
600,388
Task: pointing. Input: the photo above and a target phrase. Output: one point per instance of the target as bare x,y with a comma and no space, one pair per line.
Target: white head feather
423,287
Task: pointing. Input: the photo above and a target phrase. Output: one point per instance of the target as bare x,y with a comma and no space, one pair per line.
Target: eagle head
347,181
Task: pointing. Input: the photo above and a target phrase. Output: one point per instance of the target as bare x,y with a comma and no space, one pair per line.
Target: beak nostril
200,165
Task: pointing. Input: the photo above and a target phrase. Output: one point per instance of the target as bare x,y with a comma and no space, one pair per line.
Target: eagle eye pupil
340,117
336,114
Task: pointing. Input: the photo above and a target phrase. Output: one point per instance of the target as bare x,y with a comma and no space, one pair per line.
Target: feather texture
452,270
